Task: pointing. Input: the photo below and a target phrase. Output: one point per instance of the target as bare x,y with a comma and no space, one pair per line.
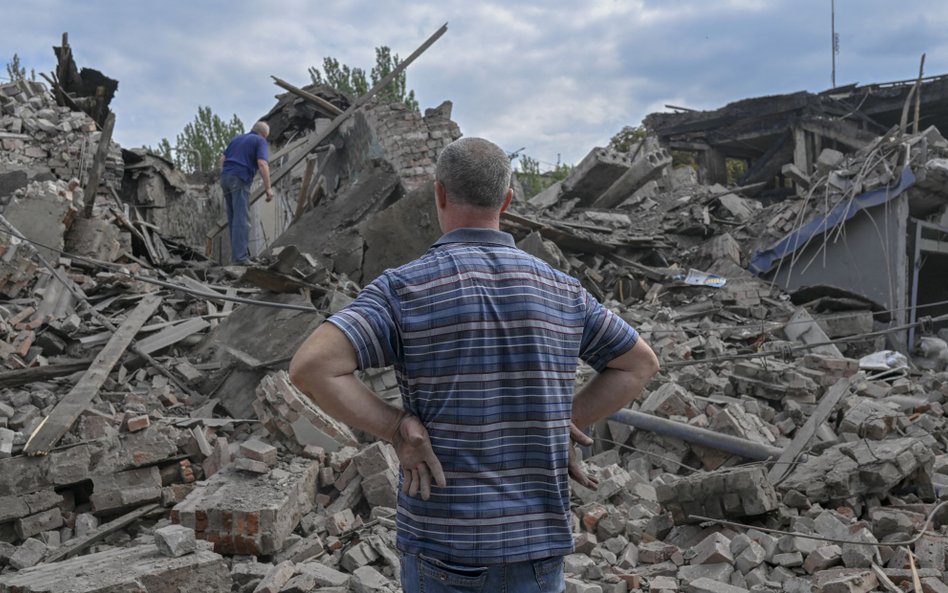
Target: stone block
175,540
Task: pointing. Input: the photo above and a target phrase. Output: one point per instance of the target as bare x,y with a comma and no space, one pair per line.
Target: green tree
354,82
15,71
199,146
627,137
529,176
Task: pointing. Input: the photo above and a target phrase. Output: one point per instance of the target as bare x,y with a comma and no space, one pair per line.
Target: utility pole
834,45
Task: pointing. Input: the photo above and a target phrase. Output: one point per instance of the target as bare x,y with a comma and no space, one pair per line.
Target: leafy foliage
354,82
534,181
199,146
15,71
627,137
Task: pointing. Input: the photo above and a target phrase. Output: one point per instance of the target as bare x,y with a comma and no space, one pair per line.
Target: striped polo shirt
485,339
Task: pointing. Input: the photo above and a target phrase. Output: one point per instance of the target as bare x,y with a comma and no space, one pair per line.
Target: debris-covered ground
150,440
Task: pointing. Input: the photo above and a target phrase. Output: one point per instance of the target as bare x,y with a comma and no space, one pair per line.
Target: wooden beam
318,139
826,406
61,419
24,376
308,96
98,165
77,545
304,188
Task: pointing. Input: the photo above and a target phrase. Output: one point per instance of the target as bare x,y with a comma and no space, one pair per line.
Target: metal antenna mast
834,46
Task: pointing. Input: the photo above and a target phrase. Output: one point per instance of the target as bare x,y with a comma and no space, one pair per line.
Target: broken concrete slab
139,568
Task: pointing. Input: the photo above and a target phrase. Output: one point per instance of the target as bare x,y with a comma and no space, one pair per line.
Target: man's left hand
417,457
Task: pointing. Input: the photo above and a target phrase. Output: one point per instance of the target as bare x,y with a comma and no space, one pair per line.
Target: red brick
137,423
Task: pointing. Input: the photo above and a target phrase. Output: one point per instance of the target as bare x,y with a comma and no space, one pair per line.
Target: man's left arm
264,167
323,368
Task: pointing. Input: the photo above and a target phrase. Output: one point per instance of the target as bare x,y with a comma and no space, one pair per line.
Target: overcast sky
555,77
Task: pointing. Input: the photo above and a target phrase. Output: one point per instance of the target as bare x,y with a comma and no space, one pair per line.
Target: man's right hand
575,463
269,193
418,459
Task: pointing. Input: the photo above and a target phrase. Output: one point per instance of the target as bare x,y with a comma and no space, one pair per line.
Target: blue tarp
764,261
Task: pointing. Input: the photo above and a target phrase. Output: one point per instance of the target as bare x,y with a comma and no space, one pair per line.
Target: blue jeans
421,574
237,202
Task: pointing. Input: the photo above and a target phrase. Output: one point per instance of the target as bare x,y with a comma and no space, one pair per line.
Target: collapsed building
795,440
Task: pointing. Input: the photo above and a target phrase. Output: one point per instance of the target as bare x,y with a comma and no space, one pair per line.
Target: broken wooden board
24,376
823,409
172,335
61,419
81,543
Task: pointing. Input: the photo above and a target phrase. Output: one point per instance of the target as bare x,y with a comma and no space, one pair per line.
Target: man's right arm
620,383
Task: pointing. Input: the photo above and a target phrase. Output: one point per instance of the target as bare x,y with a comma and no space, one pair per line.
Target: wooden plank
171,335
98,165
25,376
826,406
304,188
308,96
318,139
77,545
59,421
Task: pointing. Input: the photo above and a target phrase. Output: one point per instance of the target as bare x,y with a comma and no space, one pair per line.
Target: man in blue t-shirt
239,163
485,341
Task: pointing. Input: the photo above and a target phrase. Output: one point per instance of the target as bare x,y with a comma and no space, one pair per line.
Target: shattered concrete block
845,580
375,458
862,468
706,585
721,571
251,466
594,175
578,586
85,524
258,451
242,513
750,557
38,523
670,400
275,578
175,540
738,492
366,579
325,576
646,167
358,555
381,489
138,568
713,549
28,554
124,489
822,558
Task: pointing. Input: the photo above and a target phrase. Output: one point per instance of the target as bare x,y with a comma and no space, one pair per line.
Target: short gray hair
262,128
474,171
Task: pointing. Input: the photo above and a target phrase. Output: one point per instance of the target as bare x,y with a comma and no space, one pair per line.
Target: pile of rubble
150,438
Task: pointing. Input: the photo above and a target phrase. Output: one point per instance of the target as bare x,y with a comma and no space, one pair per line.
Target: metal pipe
698,436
